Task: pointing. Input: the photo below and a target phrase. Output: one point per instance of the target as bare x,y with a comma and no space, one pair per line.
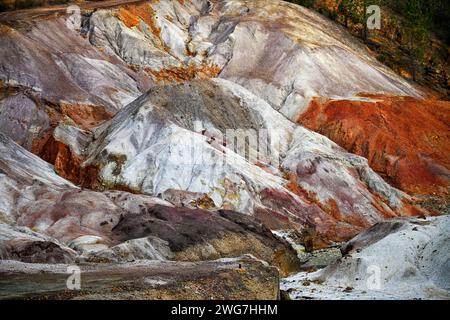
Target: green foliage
304,3
418,19
356,12
441,19
419,16
416,22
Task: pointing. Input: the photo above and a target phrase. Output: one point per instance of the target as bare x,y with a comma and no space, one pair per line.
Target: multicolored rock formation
202,130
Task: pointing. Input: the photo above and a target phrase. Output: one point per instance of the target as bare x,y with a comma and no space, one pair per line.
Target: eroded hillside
189,130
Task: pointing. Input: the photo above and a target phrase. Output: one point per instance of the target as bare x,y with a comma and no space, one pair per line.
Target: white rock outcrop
395,259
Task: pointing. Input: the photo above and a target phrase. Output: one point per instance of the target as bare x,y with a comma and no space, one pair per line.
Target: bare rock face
303,54
22,244
225,279
180,131
280,52
36,57
172,137
182,136
395,259
50,73
115,226
403,138
193,235
83,70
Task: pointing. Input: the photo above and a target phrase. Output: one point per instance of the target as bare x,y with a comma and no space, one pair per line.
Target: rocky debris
188,199
23,244
395,259
310,259
238,278
87,244
193,235
404,139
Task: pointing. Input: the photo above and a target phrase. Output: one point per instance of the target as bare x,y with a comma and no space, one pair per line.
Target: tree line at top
417,19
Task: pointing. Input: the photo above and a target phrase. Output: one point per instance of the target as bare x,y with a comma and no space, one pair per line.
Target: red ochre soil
406,140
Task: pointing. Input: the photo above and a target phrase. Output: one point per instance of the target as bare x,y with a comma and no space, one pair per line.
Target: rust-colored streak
132,14
128,18
331,207
69,165
185,73
406,140
85,116
66,163
310,217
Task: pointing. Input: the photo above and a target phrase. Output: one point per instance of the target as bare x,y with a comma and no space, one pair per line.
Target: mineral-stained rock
115,225
110,56
406,140
50,73
188,199
239,278
150,113
283,53
287,54
182,137
395,259
60,65
23,120
303,54
171,137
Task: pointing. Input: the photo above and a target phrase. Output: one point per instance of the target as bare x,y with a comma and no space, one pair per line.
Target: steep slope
413,39
406,140
181,131
183,137
60,215
301,53
83,71
82,74
50,73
